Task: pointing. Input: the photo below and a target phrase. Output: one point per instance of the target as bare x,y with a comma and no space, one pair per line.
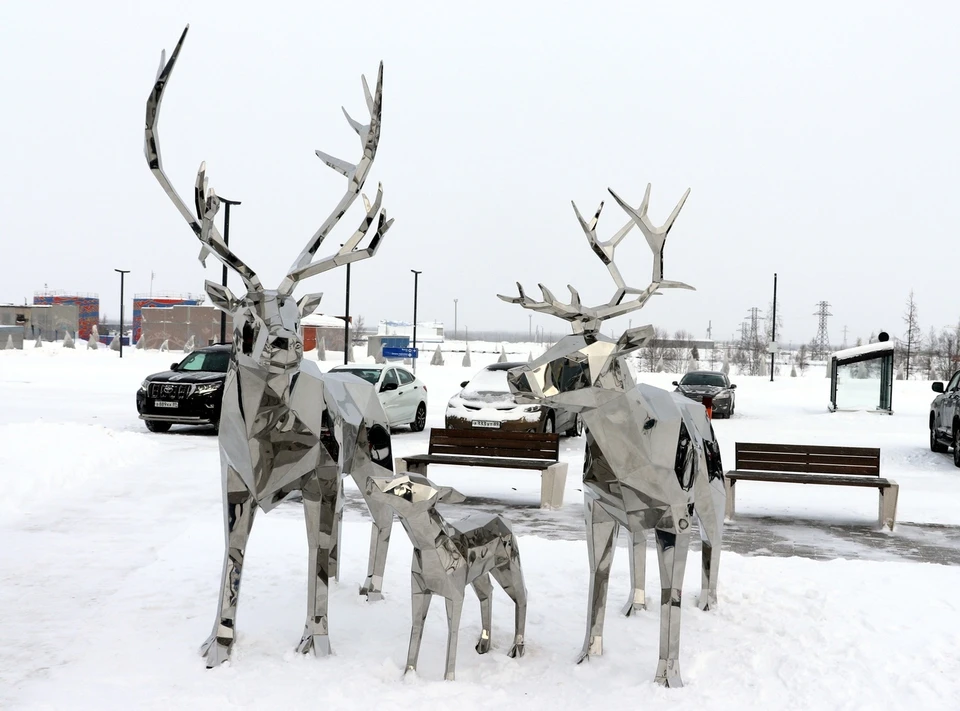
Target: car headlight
452,402
143,386
724,396
207,388
531,408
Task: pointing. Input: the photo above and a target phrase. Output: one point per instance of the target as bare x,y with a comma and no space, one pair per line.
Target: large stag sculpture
651,457
284,426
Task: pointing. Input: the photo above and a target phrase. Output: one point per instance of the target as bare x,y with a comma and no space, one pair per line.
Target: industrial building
176,324
88,308
50,321
142,301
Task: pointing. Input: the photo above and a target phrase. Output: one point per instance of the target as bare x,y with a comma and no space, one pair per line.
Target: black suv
945,418
187,394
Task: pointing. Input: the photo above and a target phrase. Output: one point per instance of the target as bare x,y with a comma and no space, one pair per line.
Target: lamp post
773,329
121,272
416,278
346,319
223,280
455,319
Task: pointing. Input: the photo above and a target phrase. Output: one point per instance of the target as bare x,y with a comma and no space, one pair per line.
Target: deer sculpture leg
510,578
673,541
602,532
710,503
334,566
379,544
637,543
239,510
484,589
420,602
454,611
319,509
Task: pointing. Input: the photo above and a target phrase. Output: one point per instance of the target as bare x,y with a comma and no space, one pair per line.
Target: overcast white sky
819,140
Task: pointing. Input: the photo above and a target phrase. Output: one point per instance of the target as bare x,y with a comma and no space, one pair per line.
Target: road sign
401,352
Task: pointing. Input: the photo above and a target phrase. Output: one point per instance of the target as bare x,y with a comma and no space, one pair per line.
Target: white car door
409,394
390,396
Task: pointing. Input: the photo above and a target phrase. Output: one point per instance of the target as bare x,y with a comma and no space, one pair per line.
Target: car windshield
211,362
371,375
714,379
489,381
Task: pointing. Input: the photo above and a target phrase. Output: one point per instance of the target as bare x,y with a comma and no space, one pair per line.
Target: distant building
317,326
142,301
48,320
88,307
427,332
178,323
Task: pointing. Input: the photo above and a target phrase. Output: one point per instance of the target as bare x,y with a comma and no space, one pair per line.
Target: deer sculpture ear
449,495
634,338
309,303
221,296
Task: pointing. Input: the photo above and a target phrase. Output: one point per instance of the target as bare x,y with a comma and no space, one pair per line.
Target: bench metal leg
553,480
730,486
400,466
888,505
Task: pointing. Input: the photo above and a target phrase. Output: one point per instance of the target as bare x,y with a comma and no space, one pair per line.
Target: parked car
189,393
402,394
485,401
945,418
698,384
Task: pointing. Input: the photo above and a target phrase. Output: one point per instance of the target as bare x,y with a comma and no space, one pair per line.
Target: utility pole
223,276
773,329
122,272
346,320
416,277
455,319
822,341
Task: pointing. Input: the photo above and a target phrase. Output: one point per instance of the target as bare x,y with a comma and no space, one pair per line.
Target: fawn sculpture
449,556
285,427
651,457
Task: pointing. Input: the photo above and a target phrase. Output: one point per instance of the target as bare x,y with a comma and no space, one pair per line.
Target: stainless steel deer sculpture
651,457
284,427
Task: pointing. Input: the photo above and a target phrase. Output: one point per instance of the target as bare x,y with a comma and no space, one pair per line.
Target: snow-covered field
112,544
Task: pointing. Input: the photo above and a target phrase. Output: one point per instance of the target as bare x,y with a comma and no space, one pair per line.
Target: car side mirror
676,383
937,387
173,366
388,386
733,386
464,383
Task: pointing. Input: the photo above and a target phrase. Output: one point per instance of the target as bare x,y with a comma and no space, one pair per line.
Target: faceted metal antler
206,206
588,318
356,175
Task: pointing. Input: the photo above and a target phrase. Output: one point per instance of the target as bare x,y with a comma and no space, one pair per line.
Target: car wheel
549,428
420,421
935,444
155,426
577,429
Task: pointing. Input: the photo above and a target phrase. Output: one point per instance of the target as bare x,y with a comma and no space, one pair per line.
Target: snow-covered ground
112,544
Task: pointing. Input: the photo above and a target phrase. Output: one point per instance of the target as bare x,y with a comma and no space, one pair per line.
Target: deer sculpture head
266,322
586,368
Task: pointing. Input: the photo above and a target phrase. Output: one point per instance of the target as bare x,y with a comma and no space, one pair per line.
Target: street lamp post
455,319
223,280
416,278
346,319
121,272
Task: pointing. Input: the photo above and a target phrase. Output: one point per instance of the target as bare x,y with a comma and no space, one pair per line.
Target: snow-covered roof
879,347
321,320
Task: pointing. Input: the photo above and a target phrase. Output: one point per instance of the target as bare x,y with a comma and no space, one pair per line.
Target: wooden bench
813,464
490,448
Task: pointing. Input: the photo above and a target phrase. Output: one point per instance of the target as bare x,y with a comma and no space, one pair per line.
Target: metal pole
223,278
455,319
346,318
416,277
773,330
122,272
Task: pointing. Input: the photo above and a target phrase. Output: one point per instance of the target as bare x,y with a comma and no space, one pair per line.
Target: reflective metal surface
449,556
652,461
284,426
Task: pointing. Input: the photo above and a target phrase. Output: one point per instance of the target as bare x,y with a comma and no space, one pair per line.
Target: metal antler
356,175
205,199
588,318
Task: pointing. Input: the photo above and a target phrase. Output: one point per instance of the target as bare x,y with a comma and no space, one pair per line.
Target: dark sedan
698,384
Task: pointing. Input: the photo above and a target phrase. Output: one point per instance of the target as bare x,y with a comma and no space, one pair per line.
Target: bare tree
803,360
356,332
913,336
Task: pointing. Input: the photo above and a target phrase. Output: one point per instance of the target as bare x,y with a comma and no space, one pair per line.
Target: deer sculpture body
448,556
284,426
651,461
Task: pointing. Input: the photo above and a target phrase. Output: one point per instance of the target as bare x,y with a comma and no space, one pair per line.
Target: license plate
487,424
164,403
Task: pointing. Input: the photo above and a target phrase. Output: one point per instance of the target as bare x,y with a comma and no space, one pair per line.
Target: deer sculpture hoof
319,644
483,644
516,650
707,602
216,651
593,647
668,674
372,594
632,607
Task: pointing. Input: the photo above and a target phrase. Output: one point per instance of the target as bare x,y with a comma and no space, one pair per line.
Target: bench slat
820,469
807,479
493,443
807,457
811,448
499,462
495,451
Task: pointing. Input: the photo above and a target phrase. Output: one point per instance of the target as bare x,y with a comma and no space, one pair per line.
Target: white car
403,396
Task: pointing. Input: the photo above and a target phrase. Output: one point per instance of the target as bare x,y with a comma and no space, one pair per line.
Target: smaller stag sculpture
449,556
285,428
651,459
